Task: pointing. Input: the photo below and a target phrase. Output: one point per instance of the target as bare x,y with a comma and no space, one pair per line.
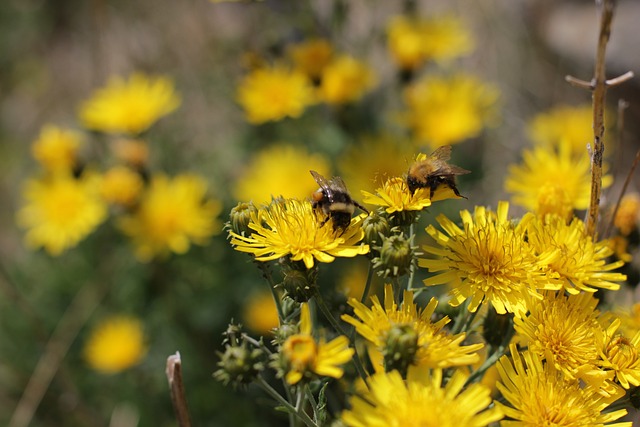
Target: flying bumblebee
434,171
333,199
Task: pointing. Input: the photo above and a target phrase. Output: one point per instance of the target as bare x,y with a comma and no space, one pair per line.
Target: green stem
412,270
272,287
313,402
367,286
288,406
460,318
334,323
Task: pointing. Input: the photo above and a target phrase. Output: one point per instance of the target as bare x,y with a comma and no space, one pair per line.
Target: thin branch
178,397
620,79
73,319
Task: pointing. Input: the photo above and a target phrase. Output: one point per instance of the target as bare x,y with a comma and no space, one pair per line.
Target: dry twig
178,398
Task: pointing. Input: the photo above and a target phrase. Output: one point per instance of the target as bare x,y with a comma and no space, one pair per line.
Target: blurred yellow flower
353,280
133,152
260,313
306,356
448,110
552,181
271,94
115,344
61,210
387,156
626,219
172,214
56,148
311,56
129,106
570,124
345,80
412,42
280,170
121,185
291,227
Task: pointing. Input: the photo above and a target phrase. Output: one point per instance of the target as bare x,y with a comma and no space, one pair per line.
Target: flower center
300,350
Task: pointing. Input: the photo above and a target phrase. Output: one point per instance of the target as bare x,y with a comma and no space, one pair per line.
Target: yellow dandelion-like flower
290,227
280,170
435,347
422,400
129,106
448,110
56,149
386,156
564,330
626,219
121,185
172,214
622,356
412,42
115,345
305,355
394,196
630,319
579,263
552,180
572,125
539,395
260,313
311,56
271,94
486,260
60,211
345,79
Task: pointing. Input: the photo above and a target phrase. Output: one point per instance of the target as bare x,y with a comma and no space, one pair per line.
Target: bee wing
338,184
324,184
442,153
457,170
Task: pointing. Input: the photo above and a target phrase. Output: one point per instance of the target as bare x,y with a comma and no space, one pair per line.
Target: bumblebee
333,199
434,171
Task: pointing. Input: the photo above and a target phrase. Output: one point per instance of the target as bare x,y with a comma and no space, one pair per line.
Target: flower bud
373,226
396,256
497,328
400,348
297,285
239,365
240,217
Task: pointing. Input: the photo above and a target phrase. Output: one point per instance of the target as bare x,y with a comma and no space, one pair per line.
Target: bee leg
362,208
324,221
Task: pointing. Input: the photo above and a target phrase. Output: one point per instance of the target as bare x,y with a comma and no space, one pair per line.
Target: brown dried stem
178,397
598,86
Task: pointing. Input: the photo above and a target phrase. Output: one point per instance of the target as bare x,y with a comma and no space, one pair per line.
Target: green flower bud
396,256
374,226
497,328
239,365
400,348
240,216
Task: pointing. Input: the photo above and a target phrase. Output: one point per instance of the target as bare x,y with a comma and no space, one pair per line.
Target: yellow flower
572,125
394,196
435,347
622,356
281,170
412,42
311,56
260,313
121,185
448,110
564,330
579,263
271,94
422,400
353,280
626,219
129,106
56,148
305,355
134,152
345,80
386,156
172,214
487,260
115,345
552,181
539,395
290,227
630,318
60,211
